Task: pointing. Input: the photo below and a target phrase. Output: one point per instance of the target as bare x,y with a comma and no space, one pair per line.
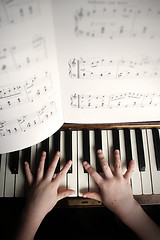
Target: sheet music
108,65
102,68
20,93
30,98
109,60
12,12
117,19
122,100
14,57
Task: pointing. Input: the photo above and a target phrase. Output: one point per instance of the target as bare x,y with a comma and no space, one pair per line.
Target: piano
140,142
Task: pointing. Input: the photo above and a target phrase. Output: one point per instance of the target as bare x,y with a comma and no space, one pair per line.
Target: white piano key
145,176
38,155
51,152
110,150
154,173
2,173
122,151
51,149
72,177
33,159
136,177
63,184
82,176
20,178
105,144
93,187
9,181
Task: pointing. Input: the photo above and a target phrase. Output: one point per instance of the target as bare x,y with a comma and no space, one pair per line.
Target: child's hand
115,189
44,194
116,194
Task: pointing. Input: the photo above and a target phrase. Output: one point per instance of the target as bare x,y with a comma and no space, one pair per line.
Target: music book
88,61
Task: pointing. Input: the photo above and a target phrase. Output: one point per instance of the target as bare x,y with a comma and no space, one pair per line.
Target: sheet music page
30,100
109,59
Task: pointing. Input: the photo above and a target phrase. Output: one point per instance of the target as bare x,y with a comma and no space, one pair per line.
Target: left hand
44,194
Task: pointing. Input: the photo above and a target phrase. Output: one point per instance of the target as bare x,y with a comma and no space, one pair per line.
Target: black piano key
13,162
56,147
68,147
26,157
115,134
26,154
98,145
86,147
45,147
128,148
156,141
140,149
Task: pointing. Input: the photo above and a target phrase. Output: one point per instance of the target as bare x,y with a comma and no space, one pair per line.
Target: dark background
70,223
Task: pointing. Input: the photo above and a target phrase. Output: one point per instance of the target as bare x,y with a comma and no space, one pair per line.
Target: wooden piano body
78,201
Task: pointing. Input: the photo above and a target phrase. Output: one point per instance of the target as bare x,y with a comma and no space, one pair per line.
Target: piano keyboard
142,145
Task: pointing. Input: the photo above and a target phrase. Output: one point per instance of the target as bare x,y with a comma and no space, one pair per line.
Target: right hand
115,190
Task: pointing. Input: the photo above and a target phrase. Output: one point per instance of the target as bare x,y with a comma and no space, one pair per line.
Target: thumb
64,194
93,195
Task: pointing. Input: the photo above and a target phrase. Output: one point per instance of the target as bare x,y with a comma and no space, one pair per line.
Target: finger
92,195
105,167
40,171
117,166
63,172
52,167
64,194
92,172
130,170
28,173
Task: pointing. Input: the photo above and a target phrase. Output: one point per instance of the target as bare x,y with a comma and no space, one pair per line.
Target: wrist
140,222
31,216
28,225
130,213
124,209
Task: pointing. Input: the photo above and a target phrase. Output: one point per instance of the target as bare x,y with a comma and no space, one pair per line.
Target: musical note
120,100
18,11
118,20
16,57
123,68
27,92
26,122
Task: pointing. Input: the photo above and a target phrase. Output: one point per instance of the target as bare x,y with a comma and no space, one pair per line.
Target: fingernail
99,151
84,195
85,163
43,153
116,151
72,192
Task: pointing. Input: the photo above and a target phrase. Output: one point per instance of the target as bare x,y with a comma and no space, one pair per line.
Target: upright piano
137,141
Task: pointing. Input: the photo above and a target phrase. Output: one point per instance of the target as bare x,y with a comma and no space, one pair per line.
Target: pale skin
42,197
115,193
